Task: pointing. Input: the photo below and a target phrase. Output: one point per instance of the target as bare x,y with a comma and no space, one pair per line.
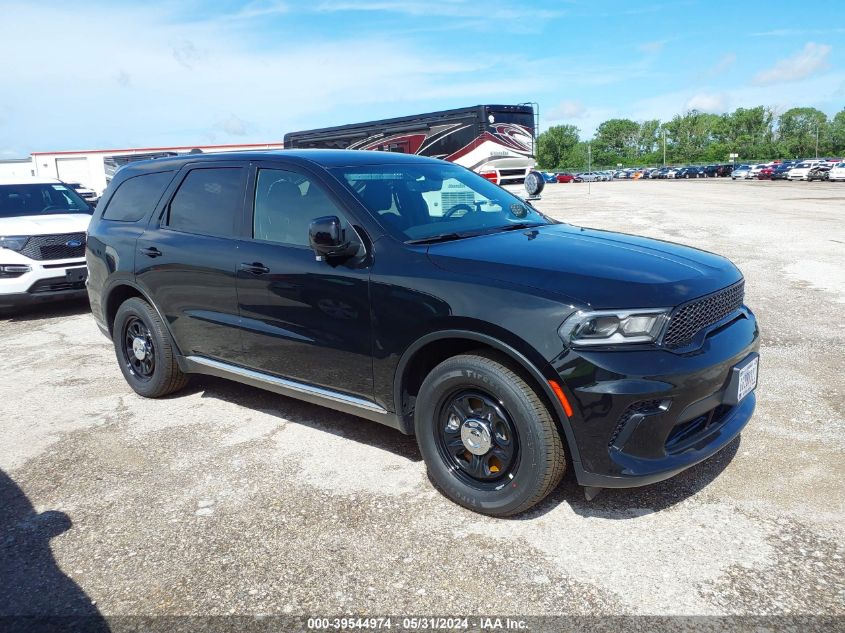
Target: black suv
415,293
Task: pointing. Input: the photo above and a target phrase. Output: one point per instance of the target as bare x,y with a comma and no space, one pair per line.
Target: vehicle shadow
311,415
35,595
630,503
46,311
619,503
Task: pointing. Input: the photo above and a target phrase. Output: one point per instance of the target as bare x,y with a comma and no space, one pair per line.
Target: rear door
187,259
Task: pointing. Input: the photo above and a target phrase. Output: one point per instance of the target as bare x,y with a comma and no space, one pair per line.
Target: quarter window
285,204
136,197
208,202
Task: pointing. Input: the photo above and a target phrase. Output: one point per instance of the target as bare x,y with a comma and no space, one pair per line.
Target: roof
323,157
427,117
175,148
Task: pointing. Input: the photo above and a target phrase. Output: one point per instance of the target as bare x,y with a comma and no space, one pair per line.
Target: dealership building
95,168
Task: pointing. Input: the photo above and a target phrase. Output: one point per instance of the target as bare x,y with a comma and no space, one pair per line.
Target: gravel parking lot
226,499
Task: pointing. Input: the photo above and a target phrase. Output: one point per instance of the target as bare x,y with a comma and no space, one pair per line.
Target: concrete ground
226,499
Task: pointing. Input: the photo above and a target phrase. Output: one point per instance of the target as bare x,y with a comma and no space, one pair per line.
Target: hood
45,224
596,268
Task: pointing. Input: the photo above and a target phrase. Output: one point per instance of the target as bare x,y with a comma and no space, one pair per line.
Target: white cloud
488,10
800,66
797,32
567,110
234,125
153,79
725,63
653,47
707,102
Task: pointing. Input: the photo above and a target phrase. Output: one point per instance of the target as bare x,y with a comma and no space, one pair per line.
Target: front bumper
44,282
641,416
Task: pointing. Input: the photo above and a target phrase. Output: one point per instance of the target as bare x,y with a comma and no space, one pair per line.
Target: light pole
817,139
664,147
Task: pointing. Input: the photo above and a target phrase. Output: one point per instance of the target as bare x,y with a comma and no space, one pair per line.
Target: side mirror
328,239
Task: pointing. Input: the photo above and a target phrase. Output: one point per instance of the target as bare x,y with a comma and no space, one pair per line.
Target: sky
155,73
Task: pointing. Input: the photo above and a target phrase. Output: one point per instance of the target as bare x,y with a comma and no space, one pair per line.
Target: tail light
492,176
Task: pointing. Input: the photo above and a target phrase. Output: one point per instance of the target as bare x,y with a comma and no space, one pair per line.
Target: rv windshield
431,202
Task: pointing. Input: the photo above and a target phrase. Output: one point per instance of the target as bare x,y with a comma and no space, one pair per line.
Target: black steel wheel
138,349
477,438
487,436
144,350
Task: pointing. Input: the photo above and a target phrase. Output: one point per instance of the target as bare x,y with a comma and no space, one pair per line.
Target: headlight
614,327
13,243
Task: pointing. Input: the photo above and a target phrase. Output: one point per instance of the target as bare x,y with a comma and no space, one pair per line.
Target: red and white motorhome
497,141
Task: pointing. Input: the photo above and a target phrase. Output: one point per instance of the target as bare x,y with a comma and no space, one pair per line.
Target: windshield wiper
519,226
442,237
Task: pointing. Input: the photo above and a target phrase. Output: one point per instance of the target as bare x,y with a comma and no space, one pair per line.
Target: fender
146,296
513,354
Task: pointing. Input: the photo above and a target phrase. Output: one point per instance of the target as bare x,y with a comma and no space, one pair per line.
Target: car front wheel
488,439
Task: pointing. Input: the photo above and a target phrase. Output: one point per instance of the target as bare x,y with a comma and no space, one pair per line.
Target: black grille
55,284
690,319
41,247
637,407
686,431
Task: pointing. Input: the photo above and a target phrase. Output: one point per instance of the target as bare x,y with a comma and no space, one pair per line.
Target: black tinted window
136,197
285,204
208,202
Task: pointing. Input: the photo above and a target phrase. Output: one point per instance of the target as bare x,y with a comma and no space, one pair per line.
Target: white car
837,172
755,170
800,171
672,172
741,173
42,242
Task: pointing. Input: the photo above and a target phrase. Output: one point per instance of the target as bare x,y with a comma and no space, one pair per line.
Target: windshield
40,199
417,202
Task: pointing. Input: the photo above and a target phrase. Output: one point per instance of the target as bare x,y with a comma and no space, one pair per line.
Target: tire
538,461
157,374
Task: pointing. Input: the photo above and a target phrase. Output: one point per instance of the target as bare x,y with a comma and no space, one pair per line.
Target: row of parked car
816,169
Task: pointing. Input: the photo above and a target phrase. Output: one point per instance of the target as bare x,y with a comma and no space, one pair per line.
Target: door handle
151,251
255,268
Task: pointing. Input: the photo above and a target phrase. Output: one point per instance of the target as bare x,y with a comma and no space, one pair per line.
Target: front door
301,319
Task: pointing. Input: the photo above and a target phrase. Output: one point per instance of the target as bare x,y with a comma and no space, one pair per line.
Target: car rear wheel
144,352
488,440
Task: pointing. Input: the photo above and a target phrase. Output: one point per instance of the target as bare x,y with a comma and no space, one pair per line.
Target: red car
565,178
766,173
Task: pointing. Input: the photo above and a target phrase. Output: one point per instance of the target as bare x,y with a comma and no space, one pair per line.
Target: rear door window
137,196
208,202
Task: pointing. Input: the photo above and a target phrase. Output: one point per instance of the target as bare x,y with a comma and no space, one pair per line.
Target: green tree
801,131
837,134
616,141
556,145
748,132
689,135
650,139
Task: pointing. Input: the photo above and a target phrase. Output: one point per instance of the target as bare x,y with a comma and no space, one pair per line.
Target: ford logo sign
73,243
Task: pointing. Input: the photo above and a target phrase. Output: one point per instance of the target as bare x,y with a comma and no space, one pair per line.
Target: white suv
837,172
42,241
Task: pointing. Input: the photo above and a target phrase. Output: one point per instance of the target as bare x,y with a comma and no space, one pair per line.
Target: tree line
755,134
